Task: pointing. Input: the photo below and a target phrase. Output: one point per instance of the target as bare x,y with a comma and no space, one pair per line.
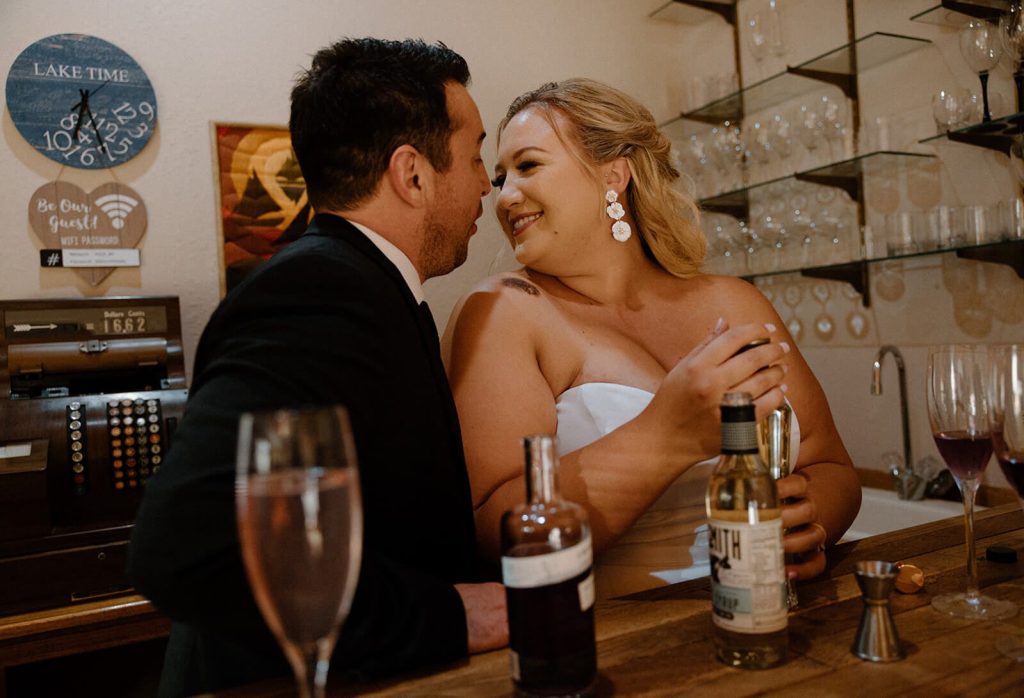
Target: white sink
882,511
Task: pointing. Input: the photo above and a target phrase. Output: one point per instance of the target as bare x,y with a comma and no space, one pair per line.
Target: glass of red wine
1006,403
959,416
300,524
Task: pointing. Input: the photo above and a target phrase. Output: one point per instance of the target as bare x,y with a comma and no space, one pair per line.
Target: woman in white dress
615,341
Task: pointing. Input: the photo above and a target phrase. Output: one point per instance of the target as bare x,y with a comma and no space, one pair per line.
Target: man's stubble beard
439,255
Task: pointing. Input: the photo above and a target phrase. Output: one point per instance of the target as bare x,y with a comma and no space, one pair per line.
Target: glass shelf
997,134
695,11
838,67
957,13
846,175
855,273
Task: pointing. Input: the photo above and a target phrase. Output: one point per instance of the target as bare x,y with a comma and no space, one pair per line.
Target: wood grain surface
658,643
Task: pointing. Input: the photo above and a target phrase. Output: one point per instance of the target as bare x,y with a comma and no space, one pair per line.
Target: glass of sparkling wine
959,417
300,522
1006,396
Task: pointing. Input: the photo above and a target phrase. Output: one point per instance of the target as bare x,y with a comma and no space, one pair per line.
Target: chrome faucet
909,485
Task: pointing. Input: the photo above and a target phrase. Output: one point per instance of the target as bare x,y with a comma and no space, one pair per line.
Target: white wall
234,61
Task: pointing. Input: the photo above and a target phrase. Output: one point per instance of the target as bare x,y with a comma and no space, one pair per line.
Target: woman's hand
691,394
805,536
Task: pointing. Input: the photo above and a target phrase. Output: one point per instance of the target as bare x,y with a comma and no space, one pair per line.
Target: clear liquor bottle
547,569
748,577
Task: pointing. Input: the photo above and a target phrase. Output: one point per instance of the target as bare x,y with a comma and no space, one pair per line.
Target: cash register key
116,453
141,422
129,452
74,425
154,428
127,402
119,485
77,457
155,448
154,418
76,445
113,412
115,443
79,479
75,414
152,409
140,409
77,467
117,463
115,431
126,421
152,402
76,435
129,430
118,474
154,438
139,401
75,405
156,460
112,403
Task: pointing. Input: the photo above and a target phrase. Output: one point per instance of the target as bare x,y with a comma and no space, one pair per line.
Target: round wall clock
81,101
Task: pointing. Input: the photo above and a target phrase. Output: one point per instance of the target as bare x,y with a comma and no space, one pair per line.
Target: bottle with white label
547,568
748,577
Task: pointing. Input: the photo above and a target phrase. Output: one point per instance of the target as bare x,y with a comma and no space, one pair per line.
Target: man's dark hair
362,99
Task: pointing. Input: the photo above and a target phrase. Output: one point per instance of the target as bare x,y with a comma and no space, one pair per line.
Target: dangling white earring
620,228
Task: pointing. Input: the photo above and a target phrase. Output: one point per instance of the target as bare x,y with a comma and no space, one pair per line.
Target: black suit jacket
328,320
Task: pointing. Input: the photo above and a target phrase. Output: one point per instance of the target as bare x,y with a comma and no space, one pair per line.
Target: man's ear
410,175
617,174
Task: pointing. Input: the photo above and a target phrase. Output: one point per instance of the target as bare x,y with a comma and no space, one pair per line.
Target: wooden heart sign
64,216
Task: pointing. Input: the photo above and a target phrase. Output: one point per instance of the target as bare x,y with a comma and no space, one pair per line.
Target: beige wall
234,61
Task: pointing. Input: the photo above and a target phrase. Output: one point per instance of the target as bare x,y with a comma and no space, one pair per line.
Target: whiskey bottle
748,577
547,569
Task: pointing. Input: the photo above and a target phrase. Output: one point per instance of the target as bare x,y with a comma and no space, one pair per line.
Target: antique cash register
91,391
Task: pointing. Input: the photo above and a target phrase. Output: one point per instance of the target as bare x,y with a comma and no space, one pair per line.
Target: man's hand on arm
486,615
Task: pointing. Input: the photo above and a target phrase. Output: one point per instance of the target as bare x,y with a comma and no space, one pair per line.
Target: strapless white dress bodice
668,543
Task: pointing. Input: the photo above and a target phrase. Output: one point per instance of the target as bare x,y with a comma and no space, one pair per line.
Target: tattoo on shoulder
522,285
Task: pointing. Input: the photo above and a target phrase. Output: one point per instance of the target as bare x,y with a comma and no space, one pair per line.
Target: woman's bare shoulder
508,304
731,296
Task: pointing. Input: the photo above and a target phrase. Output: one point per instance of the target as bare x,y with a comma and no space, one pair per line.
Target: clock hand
96,129
81,106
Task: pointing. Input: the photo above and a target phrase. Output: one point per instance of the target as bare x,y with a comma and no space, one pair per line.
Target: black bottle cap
1001,553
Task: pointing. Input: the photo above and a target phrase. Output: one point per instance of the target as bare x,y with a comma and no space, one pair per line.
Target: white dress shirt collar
396,257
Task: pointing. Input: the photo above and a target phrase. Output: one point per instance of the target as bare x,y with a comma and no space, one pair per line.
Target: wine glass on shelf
981,48
1011,33
1006,395
959,417
300,524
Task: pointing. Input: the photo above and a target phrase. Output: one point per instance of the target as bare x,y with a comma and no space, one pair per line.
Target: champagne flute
300,522
1006,392
959,417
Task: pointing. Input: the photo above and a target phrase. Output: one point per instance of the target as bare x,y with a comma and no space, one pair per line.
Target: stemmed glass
981,48
1006,393
959,417
1011,32
300,523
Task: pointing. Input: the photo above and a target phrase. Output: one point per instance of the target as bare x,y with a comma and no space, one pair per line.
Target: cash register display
106,321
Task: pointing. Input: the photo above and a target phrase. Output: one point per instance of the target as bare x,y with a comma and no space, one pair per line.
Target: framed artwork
263,202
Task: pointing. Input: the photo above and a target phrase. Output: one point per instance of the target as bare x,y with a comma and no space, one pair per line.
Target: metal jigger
877,640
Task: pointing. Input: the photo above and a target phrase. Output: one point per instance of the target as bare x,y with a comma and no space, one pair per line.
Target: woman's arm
824,484
502,372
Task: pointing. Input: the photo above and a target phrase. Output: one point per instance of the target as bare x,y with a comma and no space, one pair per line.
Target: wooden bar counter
658,642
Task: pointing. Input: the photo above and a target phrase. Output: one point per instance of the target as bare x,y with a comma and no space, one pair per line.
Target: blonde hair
609,124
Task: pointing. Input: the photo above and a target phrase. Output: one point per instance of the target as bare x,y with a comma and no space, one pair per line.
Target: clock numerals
79,141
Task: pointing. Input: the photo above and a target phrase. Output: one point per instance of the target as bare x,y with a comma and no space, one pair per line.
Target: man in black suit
388,140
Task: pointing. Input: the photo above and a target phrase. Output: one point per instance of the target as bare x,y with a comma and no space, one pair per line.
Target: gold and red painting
263,202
